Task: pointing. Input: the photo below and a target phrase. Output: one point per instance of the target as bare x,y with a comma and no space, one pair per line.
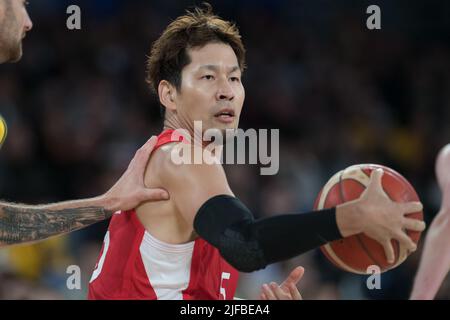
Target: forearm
285,236
308,230
28,223
250,244
435,260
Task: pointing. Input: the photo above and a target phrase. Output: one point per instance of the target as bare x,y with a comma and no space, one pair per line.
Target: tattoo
26,224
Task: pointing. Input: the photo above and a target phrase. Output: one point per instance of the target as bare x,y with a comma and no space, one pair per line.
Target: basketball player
28,223
192,246
435,261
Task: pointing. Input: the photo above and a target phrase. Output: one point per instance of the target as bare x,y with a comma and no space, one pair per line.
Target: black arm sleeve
248,244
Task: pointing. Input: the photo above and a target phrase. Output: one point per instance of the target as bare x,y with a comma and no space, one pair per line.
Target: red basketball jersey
135,265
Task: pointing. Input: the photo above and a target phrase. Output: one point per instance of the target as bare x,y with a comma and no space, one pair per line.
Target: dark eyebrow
216,68
235,68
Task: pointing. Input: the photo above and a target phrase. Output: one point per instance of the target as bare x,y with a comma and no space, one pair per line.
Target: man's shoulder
182,161
186,157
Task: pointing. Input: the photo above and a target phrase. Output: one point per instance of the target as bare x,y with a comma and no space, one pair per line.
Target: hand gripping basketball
386,218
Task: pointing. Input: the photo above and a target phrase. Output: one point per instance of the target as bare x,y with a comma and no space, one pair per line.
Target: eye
235,79
208,77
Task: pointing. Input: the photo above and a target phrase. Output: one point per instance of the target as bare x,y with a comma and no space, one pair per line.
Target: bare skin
14,24
435,261
287,290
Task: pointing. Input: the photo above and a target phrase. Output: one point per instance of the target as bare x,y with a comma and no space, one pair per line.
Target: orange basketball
356,253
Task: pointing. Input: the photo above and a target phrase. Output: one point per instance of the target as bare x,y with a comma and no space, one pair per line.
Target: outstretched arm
205,201
23,223
435,261
28,223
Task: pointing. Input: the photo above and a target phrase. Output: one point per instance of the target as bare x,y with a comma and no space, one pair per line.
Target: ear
167,93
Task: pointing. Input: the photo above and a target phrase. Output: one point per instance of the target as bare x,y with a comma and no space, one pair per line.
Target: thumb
155,194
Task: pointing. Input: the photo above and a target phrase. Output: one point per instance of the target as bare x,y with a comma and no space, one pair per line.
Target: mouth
225,115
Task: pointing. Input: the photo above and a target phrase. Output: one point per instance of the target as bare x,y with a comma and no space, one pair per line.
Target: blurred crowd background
78,107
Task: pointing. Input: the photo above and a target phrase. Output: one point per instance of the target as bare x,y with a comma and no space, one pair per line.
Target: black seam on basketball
395,242
411,189
361,243
367,174
341,190
395,175
404,229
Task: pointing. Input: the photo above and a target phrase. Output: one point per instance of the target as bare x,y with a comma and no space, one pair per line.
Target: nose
225,91
28,23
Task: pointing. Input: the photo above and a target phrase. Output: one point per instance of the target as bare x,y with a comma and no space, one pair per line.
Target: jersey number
102,258
225,276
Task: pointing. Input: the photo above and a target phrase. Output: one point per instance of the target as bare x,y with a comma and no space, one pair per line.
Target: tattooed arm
27,223
23,223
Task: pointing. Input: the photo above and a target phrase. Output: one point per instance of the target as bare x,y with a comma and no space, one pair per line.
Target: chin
224,132
15,54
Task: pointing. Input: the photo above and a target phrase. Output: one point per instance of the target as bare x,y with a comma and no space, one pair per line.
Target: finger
411,207
414,224
406,241
261,293
389,252
376,179
154,194
263,296
295,276
295,294
268,292
279,293
143,154
151,143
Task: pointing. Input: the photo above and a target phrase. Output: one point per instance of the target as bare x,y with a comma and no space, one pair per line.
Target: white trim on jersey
168,266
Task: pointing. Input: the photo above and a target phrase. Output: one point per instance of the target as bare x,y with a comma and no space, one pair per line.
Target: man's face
14,23
211,88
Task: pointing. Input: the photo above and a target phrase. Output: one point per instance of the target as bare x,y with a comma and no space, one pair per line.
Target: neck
171,121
